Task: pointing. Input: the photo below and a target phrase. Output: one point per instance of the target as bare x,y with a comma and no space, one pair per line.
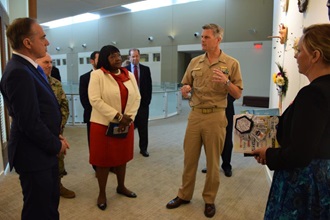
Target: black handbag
113,131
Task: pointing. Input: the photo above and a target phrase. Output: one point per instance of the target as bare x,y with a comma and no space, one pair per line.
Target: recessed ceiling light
150,4
71,20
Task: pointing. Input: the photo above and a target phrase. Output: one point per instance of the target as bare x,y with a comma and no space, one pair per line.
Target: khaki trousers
208,130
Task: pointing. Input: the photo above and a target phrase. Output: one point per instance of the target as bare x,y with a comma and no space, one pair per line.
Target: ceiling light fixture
71,20
150,4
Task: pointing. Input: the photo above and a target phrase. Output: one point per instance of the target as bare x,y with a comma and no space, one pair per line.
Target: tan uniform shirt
205,93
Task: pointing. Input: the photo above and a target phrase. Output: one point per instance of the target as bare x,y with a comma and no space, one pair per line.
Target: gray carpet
155,180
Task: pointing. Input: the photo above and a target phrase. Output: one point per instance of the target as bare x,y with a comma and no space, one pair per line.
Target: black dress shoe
127,194
228,172
144,153
176,202
204,170
102,206
209,210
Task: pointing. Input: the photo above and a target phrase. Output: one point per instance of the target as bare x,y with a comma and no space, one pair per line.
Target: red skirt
108,151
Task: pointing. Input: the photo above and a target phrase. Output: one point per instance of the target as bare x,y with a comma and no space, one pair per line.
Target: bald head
46,64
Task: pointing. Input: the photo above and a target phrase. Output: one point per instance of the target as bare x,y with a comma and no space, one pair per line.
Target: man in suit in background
56,73
83,91
143,78
35,139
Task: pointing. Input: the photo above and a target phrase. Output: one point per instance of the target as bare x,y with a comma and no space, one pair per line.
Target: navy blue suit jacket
56,73
83,95
145,84
36,117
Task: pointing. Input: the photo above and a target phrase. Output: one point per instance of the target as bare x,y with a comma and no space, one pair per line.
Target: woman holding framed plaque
300,186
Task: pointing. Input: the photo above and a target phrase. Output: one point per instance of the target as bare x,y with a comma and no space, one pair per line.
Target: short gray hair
217,30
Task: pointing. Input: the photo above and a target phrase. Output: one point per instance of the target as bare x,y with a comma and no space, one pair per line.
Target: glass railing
166,102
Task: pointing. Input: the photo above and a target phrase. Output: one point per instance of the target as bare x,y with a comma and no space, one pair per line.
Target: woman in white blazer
114,96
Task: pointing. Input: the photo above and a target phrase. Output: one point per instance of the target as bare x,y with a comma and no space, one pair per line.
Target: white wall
60,61
17,9
4,4
317,12
84,66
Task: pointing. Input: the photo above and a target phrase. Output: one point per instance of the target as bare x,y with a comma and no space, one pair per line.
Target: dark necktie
136,74
41,71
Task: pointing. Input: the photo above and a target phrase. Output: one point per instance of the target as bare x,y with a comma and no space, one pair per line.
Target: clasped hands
124,122
65,145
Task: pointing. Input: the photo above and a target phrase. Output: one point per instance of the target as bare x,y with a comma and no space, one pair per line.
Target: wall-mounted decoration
302,5
283,33
284,5
295,45
282,82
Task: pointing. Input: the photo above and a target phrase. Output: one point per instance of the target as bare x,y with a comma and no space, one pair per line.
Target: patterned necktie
41,71
136,74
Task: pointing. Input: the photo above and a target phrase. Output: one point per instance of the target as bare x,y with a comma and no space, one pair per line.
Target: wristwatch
227,82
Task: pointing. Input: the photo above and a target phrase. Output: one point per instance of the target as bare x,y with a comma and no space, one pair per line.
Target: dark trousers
41,194
88,125
228,147
141,123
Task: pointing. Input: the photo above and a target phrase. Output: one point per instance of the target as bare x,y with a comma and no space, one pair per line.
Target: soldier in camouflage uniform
46,65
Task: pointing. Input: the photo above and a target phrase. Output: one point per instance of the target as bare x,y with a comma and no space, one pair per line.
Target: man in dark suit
143,75
56,73
35,140
83,91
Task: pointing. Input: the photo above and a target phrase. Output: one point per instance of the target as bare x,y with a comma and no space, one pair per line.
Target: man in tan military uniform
207,81
46,65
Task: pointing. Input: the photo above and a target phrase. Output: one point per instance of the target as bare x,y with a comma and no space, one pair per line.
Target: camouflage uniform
64,105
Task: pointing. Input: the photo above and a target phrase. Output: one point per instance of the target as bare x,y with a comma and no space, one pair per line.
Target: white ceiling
49,10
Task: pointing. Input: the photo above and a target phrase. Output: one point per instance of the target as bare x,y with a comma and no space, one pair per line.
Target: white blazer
104,96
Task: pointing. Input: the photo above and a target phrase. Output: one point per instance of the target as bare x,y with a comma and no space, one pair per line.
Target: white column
18,8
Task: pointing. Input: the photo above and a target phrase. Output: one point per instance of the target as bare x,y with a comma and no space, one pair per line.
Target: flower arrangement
281,80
